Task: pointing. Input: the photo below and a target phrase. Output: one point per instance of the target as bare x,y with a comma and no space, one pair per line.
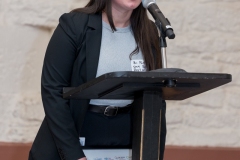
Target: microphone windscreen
147,2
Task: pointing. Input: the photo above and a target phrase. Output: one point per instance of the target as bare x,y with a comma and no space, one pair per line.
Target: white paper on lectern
108,154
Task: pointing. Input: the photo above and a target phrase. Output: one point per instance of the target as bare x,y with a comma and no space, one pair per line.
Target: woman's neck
120,19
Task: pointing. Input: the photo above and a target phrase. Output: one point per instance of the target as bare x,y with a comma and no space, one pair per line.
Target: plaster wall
207,40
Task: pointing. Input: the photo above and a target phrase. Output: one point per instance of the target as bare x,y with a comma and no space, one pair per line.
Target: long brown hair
144,30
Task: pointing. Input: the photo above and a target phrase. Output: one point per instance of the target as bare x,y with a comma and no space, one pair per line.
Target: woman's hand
84,158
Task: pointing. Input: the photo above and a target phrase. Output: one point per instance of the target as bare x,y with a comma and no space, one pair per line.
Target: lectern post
147,109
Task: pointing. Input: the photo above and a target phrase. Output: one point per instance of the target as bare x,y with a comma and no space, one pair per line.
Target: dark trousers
104,131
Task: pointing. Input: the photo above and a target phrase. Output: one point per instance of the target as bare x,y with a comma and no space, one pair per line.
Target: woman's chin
132,6
126,5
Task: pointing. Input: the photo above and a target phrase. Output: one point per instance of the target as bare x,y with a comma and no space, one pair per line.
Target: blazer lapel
93,44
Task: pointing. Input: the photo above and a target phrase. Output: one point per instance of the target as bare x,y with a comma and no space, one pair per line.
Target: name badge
138,65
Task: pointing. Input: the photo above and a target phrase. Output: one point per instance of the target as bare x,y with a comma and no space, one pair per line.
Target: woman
102,37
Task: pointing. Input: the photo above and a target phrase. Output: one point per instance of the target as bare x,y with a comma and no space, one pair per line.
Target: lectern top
124,85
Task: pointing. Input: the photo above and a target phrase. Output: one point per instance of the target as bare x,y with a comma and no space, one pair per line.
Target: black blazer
71,59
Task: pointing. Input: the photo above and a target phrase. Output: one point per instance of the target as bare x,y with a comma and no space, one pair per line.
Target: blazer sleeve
56,74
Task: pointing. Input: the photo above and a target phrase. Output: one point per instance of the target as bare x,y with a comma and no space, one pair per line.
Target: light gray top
114,56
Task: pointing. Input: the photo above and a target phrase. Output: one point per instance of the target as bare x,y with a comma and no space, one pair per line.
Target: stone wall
207,40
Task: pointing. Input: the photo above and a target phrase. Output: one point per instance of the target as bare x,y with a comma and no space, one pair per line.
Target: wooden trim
19,151
14,151
201,153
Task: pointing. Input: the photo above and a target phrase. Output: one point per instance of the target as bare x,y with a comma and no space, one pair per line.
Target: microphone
158,15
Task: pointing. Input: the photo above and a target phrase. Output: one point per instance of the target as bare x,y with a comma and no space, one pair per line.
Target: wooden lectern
148,89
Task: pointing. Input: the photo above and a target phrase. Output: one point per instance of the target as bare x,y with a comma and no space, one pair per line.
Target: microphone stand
163,45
